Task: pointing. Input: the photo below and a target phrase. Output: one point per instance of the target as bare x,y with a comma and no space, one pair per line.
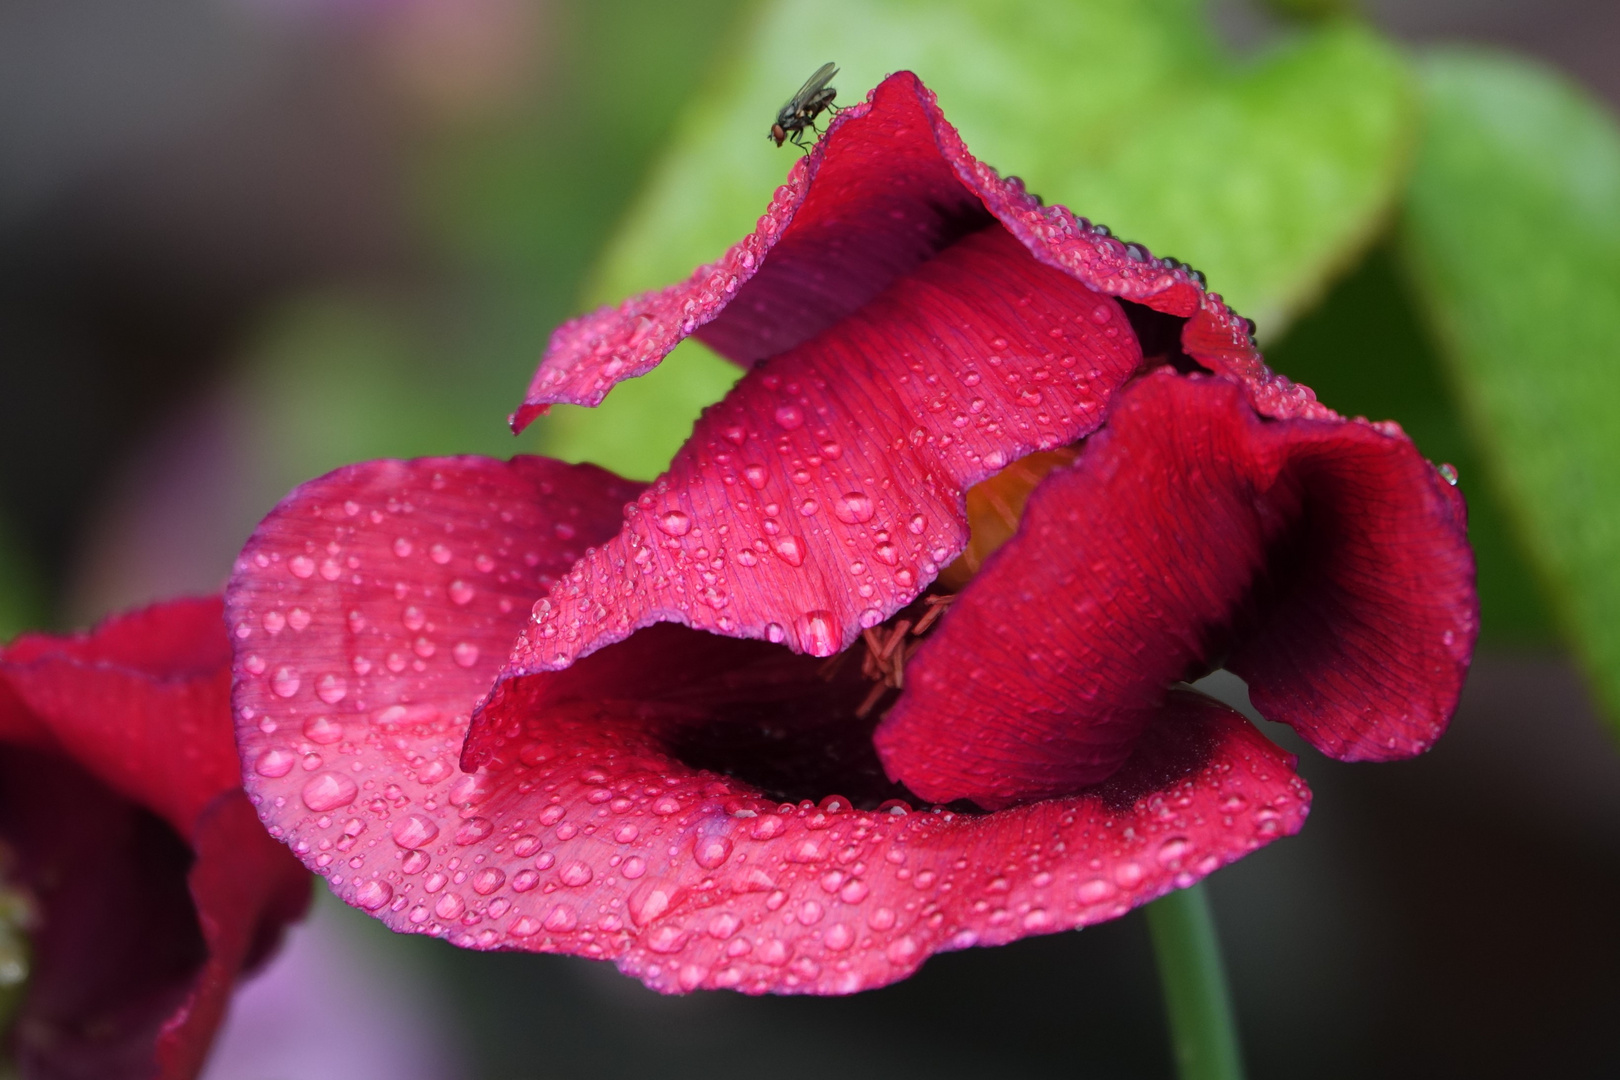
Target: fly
801,110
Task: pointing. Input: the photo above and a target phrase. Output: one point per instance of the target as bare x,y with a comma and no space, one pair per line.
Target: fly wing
813,85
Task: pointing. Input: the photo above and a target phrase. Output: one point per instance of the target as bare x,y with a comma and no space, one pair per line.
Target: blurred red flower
929,348
151,884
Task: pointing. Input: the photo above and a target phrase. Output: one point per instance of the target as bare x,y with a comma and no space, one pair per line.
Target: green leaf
1512,232
1269,176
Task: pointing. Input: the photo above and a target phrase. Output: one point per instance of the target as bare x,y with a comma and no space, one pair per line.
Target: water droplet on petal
854,507
711,852
284,682
819,633
675,522
373,894
274,763
415,831
331,688
328,791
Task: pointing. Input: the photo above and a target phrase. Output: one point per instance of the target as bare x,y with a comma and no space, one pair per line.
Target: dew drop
675,522
790,548
819,634
323,730
373,894
854,507
284,682
711,852
790,417
465,653
328,791
331,688
415,831
274,763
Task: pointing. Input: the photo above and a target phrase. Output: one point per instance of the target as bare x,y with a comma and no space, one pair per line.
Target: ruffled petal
826,490
605,821
117,753
888,187
140,701
246,888
1327,558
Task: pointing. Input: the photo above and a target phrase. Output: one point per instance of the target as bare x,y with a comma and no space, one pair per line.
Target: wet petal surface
1327,556
593,826
826,490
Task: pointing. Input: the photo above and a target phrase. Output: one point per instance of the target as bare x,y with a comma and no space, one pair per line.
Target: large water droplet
328,791
790,548
373,894
854,507
675,522
790,416
285,682
331,688
819,633
711,852
274,763
415,831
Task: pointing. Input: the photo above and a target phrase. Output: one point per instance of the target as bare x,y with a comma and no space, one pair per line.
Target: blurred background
245,241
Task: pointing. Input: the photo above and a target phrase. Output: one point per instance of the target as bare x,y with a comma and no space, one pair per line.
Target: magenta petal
102,734
888,187
588,832
1327,556
826,490
141,701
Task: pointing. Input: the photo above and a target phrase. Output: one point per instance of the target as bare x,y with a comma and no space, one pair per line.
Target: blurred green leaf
1365,350
1269,176
1512,231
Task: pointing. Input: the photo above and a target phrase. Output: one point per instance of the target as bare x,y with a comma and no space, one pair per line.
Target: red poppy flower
122,819
930,349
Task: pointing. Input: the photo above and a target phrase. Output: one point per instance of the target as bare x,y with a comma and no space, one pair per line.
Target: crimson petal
888,187
1327,556
826,490
101,732
589,832
140,702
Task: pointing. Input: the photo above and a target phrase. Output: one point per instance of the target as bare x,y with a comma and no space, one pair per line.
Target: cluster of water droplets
813,502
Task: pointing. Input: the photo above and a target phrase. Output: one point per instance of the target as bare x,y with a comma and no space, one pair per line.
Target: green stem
1200,1013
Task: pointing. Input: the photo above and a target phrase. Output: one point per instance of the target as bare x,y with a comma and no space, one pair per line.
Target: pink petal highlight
1327,555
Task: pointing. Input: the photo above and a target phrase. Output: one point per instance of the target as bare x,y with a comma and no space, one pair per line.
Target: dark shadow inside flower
116,945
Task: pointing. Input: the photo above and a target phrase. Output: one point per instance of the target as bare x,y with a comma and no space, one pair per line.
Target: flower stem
1200,1013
